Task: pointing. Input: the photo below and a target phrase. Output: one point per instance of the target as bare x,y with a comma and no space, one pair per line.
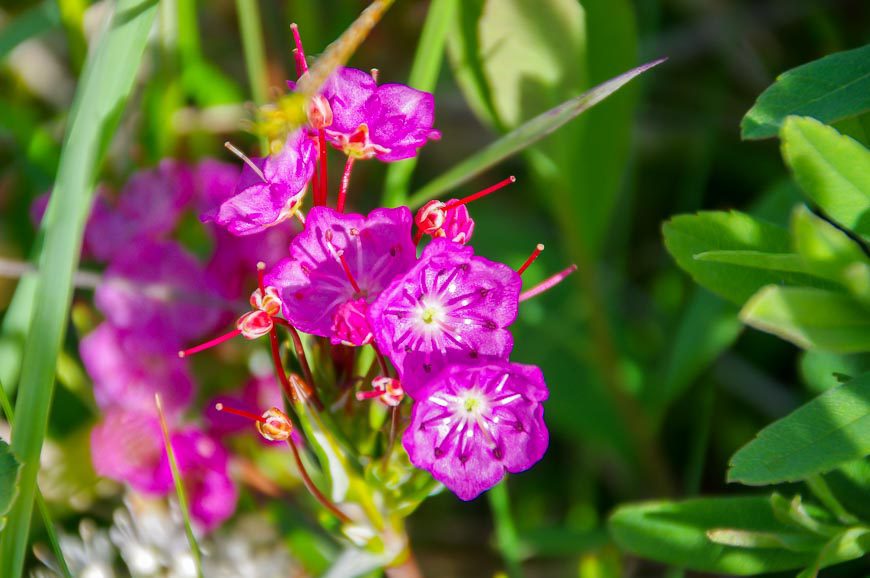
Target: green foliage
832,429
829,89
698,243
739,536
831,169
10,468
105,84
810,318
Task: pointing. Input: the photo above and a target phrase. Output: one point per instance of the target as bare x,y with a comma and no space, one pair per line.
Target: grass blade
525,135
254,48
105,84
505,530
179,489
424,76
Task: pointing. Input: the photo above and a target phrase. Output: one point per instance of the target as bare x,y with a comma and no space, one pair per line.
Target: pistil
538,248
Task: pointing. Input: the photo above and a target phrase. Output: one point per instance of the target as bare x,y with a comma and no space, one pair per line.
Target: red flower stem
483,193
531,258
547,284
345,181
309,484
315,186
279,367
394,428
321,151
310,389
211,343
299,52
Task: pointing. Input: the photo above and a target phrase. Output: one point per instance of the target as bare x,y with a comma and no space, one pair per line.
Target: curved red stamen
531,258
345,181
299,52
210,344
321,146
547,284
479,194
347,272
240,413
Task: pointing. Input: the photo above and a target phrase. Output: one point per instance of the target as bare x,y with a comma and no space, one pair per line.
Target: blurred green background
654,382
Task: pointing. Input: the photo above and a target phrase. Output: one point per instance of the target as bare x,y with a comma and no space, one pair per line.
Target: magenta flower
204,467
269,190
388,122
340,258
158,288
350,324
128,368
128,447
471,424
450,307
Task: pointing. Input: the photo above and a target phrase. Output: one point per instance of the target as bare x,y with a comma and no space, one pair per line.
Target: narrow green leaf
831,169
424,76
677,533
10,469
829,89
690,235
105,84
832,429
505,529
788,262
32,23
810,318
525,135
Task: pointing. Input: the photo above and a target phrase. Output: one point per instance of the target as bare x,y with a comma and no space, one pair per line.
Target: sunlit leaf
829,89
810,318
831,169
832,429
677,533
10,469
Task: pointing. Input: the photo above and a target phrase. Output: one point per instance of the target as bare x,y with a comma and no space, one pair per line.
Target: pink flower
388,122
471,424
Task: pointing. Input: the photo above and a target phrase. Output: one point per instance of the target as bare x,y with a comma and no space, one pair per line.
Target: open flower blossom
341,258
269,190
472,423
389,122
452,306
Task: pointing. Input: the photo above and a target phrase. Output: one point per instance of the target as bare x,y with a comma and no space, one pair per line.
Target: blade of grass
525,135
254,49
31,23
179,489
424,76
6,406
505,530
103,89
72,15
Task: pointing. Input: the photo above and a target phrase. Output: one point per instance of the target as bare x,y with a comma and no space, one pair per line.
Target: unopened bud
319,112
276,426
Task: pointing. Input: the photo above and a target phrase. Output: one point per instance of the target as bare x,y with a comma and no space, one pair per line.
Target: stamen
531,258
501,184
230,147
298,52
347,272
209,344
547,284
309,484
345,181
321,147
375,73
240,412
261,268
370,394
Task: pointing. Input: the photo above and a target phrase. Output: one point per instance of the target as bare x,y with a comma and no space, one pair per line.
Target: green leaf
810,318
829,89
100,97
689,235
832,429
522,137
822,370
677,533
788,262
10,468
831,169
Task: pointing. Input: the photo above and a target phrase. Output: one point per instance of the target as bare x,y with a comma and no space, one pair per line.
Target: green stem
72,15
254,49
820,489
188,32
505,530
40,501
424,76
179,489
